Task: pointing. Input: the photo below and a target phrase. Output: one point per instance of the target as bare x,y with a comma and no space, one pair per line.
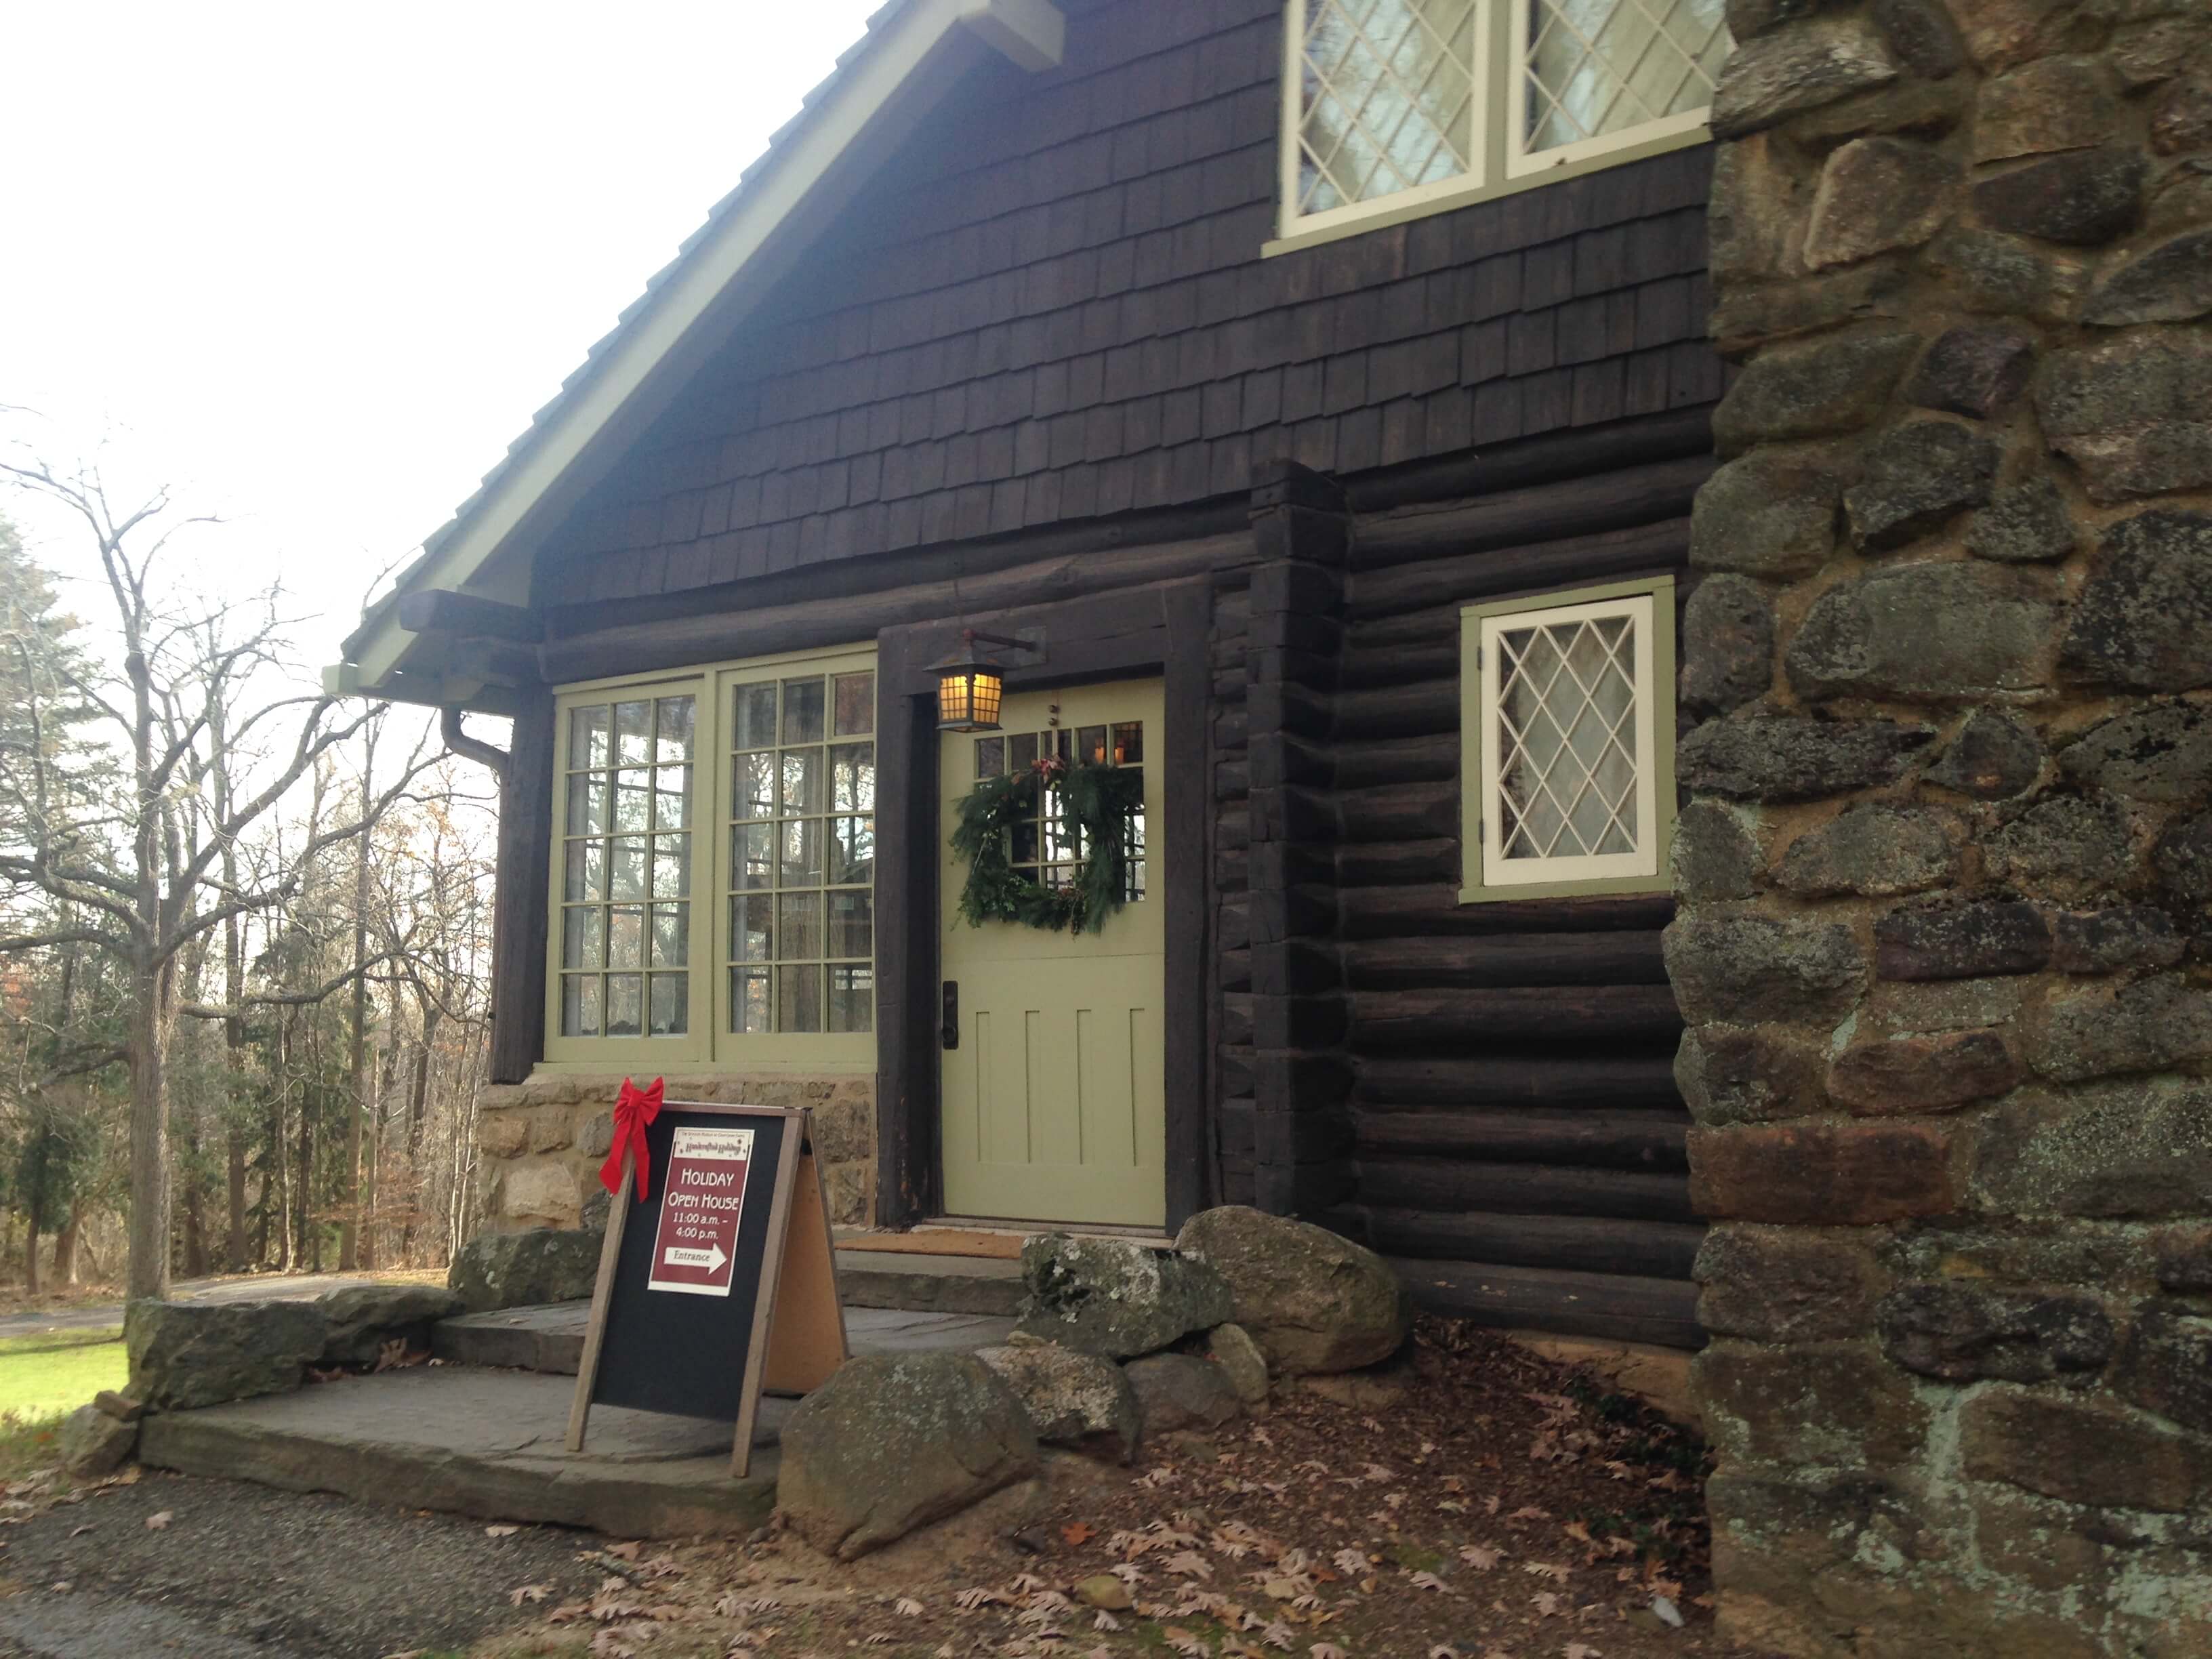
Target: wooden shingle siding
1052,307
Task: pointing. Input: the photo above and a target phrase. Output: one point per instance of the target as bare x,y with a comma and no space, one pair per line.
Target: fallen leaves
502,1531
395,1355
1075,1534
160,1521
528,1593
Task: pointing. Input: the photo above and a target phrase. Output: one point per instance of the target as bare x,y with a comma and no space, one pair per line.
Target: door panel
1054,1102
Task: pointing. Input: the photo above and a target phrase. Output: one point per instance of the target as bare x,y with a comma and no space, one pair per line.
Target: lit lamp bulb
968,691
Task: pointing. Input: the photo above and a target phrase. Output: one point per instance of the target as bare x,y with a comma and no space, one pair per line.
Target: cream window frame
1496,118
709,1045
1487,875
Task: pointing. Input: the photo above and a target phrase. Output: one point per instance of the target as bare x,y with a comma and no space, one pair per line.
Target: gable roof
912,53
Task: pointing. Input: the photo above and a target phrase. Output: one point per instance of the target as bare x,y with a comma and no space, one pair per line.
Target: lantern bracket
1031,640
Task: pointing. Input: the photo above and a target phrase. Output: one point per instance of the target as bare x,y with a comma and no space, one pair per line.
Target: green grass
56,1371
42,1379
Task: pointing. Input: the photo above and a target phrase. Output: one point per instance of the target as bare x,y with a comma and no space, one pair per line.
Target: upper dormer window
1393,107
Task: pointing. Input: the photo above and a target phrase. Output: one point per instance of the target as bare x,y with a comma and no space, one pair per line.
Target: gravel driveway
245,1572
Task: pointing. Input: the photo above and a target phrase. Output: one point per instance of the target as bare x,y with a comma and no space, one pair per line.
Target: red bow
635,1108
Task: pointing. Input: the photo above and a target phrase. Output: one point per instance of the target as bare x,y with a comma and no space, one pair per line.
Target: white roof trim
915,52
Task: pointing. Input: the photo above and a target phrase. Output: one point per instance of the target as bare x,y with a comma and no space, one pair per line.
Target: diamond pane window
1569,780
1393,107
1386,98
1594,74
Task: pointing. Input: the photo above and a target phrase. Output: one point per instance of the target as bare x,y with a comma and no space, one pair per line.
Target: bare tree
156,871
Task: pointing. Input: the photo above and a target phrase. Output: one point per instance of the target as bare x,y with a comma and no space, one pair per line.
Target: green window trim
1485,665
742,902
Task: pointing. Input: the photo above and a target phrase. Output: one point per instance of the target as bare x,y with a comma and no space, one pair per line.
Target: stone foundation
1947,873
541,1142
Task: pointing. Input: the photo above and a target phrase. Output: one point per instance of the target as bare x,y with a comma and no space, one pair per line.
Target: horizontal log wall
1514,1123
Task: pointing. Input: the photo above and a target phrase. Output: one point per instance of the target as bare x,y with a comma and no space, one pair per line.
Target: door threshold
976,1236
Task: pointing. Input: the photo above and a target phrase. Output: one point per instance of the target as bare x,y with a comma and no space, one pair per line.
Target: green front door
1055,1096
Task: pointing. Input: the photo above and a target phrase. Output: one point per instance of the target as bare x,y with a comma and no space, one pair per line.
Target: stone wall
1944,943
541,1142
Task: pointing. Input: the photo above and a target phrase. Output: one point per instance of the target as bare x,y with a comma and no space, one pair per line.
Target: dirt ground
1476,1503
162,1564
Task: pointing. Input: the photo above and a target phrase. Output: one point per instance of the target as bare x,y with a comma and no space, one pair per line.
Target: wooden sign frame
798,1337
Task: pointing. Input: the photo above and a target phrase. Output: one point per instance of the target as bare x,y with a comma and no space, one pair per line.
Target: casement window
1393,108
713,867
1567,737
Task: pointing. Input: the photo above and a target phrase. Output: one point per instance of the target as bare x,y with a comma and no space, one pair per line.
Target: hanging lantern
968,695
971,685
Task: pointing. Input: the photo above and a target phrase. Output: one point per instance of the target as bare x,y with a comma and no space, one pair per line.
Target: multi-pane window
1392,104
1569,730
1590,74
625,924
1043,846
802,854
713,881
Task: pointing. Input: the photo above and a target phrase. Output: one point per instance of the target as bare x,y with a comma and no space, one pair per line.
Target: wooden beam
1582,454
1618,1306
520,919
1490,1077
1585,504
1409,1022
1399,912
701,635
1503,960
1450,1187
440,611
1652,1249
1653,1141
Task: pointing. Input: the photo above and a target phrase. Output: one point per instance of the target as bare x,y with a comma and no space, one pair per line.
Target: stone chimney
1944,943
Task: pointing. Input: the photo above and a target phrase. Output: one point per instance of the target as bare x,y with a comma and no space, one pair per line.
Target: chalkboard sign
721,1282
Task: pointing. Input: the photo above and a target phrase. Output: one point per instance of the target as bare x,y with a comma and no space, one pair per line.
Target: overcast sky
315,266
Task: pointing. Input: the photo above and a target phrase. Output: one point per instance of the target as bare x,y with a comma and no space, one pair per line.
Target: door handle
949,1032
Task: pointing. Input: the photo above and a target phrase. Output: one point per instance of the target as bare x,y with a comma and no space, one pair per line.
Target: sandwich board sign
718,1280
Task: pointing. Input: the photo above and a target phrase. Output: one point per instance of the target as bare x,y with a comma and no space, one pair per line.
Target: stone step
930,1284
549,1339
480,1443
483,1434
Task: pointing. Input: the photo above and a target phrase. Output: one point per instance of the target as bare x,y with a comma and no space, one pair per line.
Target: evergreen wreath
1096,801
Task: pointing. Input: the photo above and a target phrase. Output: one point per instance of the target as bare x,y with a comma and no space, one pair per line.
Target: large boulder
361,1318
894,1441
1076,1400
93,1445
1182,1391
518,1270
1115,1297
185,1354
1313,1301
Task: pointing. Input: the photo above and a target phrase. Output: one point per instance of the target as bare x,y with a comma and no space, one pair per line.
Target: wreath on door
1096,801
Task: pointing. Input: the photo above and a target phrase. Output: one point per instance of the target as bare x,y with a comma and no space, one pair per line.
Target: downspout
468,748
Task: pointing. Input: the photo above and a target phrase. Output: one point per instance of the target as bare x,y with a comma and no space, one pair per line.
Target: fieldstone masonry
543,1141
1945,940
